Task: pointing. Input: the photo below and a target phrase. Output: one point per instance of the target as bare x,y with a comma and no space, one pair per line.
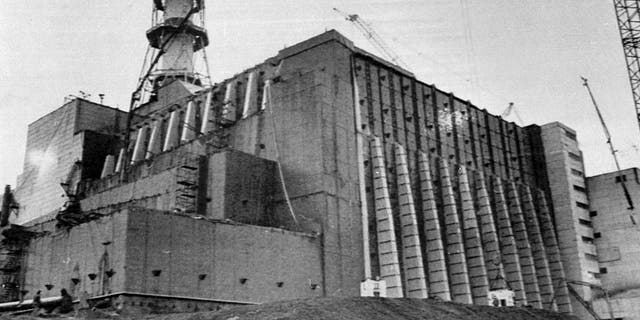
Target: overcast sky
489,52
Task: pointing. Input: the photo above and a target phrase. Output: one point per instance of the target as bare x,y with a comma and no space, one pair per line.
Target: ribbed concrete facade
484,232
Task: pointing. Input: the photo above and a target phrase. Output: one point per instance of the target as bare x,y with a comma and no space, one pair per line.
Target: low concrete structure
139,252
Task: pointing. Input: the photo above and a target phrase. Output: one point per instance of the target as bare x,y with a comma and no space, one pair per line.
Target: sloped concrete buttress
527,265
155,143
139,149
120,161
207,115
250,97
189,125
508,247
538,250
434,250
556,269
472,242
490,242
171,139
387,244
109,166
457,262
415,280
229,112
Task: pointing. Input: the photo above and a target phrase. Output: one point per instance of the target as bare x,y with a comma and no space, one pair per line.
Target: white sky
528,52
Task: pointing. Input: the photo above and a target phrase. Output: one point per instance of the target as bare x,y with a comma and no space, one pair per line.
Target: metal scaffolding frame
628,16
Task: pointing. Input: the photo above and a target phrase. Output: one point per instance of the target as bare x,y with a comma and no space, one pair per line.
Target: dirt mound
367,309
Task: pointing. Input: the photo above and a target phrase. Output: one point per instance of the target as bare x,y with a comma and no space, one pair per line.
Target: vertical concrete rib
472,242
415,281
229,103
139,149
490,242
387,246
207,115
108,167
537,249
457,266
120,162
510,258
155,140
171,138
189,125
250,101
561,293
437,264
527,265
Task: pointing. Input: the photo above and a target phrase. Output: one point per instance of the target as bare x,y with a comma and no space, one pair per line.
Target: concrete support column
490,242
108,167
207,114
457,262
171,139
436,260
556,269
266,91
387,245
472,242
250,96
229,106
527,265
538,250
120,161
139,148
155,141
510,258
415,280
189,129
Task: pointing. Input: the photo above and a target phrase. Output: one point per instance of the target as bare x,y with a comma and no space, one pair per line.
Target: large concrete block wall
178,255
463,145
54,143
616,237
143,251
573,223
242,188
307,126
68,258
305,123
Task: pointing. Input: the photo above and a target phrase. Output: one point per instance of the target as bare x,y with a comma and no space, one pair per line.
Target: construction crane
373,37
611,148
628,15
509,109
585,303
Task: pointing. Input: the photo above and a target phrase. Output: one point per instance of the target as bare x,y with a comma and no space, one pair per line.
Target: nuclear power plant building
322,171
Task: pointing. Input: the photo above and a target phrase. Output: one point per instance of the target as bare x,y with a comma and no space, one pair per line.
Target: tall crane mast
373,37
611,148
628,15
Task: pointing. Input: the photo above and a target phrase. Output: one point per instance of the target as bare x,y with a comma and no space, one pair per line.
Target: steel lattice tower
628,15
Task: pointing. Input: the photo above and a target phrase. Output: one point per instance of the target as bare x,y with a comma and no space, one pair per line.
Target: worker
37,300
66,304
37,304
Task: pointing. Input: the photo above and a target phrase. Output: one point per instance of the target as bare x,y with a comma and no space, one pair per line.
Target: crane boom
611,148
373,37
628,15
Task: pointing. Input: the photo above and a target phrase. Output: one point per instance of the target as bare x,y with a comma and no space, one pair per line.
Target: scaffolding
187,176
